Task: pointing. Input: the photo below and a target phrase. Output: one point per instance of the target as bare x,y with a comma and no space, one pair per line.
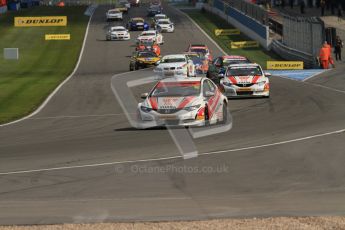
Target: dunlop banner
283,65
57,37
244,44
40,21
222,32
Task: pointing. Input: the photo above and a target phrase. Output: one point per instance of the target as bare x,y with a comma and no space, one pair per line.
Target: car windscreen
160,17
234,61
148,34
244,71
146,54
176,89
114,11
119,29
197,50
138,20
173,60
163,23
147,43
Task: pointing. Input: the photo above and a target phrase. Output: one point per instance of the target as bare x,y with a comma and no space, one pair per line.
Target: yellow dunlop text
244,44
57,37
224,32
40,21
285,65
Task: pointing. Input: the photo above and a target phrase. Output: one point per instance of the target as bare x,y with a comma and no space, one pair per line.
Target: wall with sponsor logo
40,21
249,26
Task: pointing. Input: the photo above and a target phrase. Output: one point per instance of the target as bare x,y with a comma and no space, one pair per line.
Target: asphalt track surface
269,164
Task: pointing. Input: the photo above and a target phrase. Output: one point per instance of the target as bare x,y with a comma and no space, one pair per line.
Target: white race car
245,80
118,33
165,25
150,35
184,102
158,17
125,3
176,65
114,14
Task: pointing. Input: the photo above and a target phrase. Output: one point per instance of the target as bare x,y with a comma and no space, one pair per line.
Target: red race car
200,49
149,45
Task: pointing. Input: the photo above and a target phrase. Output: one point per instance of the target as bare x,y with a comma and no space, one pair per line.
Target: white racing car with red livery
245,80
184,102
150,35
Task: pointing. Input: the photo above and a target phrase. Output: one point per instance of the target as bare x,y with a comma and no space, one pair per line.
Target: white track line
78,116
314,75
173,157
59,86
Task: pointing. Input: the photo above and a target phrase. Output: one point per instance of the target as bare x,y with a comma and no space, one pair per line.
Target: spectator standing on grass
337,48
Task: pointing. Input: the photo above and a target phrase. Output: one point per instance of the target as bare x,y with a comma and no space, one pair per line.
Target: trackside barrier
249,26
90,10
224,32
292,54
243,44
285,65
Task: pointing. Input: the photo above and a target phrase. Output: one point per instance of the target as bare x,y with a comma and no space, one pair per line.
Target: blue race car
137,24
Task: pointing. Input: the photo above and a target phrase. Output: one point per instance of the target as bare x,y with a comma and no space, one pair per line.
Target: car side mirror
221,75
144,95
209,94
267,74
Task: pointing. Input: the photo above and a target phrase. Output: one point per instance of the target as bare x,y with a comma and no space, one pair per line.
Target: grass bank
42,65
209,22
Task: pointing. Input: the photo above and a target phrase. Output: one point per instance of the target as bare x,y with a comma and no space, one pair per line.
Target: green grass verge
42,65
209,22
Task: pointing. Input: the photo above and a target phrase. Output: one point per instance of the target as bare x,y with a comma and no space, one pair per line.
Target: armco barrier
292,54
250,27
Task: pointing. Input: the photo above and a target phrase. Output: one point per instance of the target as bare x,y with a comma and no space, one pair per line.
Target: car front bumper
181,118
116,37
253,91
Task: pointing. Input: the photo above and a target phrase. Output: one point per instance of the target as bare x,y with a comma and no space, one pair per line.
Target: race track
77,159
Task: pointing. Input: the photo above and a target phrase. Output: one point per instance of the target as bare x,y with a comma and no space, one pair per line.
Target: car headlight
227,83
191,108
261,83
145,109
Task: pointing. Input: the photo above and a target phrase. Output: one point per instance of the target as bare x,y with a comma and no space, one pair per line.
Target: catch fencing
305,34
